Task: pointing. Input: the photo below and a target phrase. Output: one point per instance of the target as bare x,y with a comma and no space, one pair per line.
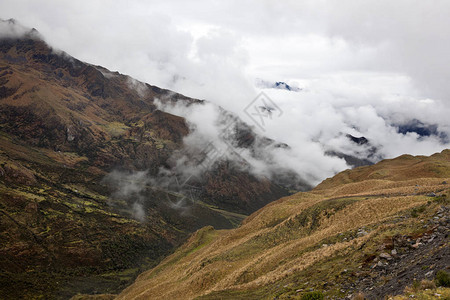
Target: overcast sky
364,67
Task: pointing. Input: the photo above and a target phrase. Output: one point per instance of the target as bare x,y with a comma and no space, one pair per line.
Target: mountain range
80,150
99,183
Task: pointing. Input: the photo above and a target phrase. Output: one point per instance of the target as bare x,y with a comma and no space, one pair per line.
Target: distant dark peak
418,127
351,160
279,85
358,140
363,156
282,85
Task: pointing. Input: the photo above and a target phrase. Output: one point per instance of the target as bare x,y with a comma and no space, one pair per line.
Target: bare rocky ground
406,259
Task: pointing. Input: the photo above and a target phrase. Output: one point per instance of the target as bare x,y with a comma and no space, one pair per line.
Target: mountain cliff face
367,232
80,148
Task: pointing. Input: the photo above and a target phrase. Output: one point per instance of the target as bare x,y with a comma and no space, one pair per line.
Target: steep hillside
372,230
66,127
53,101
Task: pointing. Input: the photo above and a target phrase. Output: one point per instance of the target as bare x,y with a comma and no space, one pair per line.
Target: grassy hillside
65,125
373,230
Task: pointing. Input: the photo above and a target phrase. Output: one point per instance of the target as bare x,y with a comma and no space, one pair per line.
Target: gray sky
364,66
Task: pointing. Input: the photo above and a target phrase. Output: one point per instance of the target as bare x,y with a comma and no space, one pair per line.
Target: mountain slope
338,239
51,100
66,125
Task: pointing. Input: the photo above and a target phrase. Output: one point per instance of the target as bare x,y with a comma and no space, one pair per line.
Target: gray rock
385,255
415,246
362,232
429,274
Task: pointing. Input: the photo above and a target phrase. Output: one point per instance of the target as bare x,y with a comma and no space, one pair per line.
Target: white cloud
12,29
364,66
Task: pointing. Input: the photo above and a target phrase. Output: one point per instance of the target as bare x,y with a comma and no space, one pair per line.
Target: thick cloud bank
377,69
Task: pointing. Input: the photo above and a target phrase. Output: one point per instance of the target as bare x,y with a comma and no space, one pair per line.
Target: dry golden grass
286,236
48,94
359,296
427,284
427,293
69,159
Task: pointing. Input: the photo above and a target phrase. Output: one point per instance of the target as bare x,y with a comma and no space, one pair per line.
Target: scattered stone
394,252
385,255
429,274
431,195
362,232
415,246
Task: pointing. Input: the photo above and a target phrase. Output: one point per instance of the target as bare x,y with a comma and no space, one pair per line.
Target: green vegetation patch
442,278
116,129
